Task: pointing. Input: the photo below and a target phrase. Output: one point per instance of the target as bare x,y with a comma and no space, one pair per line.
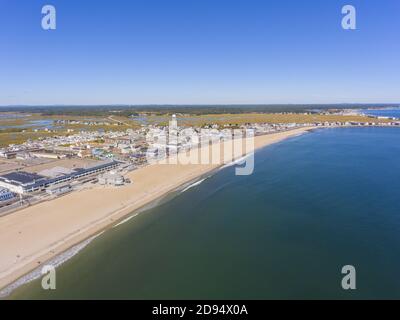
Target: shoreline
74,233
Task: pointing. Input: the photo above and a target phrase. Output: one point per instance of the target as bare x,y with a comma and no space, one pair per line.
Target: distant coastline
192,108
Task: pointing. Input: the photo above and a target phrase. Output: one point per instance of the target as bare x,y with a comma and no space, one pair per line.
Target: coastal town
61,187
206,153
52,166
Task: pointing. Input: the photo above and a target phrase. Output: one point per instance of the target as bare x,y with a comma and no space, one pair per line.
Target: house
59,189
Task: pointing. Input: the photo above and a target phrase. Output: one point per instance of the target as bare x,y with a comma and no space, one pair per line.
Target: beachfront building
20,181
24,182
111,178
59,189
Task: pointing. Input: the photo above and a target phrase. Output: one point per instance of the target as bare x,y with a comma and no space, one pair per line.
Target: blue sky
199,52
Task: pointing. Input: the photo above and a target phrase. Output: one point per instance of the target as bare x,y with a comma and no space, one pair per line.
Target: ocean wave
125,220
237,161
193,185
55,262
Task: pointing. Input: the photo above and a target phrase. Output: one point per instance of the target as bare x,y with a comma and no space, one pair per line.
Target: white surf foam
237,161
125,220
193,185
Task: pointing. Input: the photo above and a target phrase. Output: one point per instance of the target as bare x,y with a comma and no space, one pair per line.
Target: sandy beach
32,236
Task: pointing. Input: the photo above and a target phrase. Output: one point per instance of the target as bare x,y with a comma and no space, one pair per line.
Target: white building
59,189
173,124
111,178
25,182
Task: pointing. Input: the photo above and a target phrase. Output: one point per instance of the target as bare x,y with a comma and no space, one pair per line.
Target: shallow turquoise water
315,203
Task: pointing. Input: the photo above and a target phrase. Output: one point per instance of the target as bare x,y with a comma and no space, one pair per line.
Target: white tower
173,124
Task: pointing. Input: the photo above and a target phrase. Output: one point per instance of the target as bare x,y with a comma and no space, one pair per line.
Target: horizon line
198,104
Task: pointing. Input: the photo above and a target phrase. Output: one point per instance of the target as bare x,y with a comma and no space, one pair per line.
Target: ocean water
392,113
315,203
37,124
